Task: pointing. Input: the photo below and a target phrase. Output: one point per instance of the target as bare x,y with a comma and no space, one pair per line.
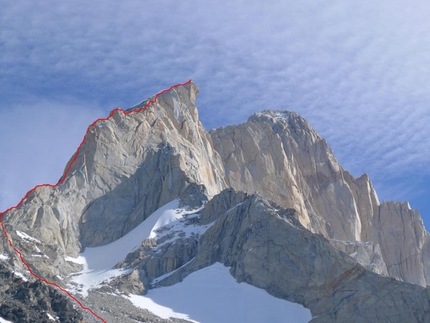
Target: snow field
208,295
212,295
99,261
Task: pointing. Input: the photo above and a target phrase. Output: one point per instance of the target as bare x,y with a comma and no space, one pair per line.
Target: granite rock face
266,246
280,156
128,166
266,198
366,254
404,242
277,154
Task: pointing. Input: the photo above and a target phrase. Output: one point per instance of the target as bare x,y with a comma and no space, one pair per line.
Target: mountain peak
272,116
283,121
266,198
179,99
275,114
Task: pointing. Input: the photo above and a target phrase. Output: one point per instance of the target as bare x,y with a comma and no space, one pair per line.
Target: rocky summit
152,203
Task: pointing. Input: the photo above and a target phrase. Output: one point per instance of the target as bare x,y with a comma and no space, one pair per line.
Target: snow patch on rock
25,236
18,274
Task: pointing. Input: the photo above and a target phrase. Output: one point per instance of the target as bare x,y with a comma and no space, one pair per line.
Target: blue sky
357,70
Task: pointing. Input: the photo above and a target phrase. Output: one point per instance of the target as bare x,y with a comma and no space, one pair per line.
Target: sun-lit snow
182,227
212,295
99,261
50,317
79,260
4,321
107,256
20,275
167,217
282,115
86,280
40,256
25,236
238,204
3,257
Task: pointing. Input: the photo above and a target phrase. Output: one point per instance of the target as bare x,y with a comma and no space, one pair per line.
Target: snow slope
107,256
99,261
201,296
212,295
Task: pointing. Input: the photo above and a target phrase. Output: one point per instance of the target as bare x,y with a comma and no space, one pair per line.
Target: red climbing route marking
62,179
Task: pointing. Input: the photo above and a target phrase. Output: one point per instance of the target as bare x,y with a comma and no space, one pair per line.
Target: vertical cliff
280,156
266,198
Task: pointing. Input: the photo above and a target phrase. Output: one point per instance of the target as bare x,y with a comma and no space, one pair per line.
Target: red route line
62,179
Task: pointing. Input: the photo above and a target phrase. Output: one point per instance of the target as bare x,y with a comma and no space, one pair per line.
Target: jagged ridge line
62,179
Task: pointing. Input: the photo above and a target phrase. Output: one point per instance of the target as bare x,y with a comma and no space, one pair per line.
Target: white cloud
357,70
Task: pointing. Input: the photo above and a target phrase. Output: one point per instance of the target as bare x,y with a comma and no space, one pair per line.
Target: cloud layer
357,70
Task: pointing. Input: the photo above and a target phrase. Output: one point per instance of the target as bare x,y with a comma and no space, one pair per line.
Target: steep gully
62,179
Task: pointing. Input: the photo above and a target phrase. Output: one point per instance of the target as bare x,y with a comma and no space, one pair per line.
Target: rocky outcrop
128,166
151,156
366,254
266,198
27,302
155,261
404,242
278,155
267,247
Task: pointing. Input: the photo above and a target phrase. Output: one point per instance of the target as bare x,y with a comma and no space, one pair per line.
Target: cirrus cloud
357,70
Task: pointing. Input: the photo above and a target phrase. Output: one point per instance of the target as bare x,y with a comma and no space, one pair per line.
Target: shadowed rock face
277,208
128,166
267,247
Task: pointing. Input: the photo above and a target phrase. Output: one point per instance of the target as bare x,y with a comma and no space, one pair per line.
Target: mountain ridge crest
130,165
